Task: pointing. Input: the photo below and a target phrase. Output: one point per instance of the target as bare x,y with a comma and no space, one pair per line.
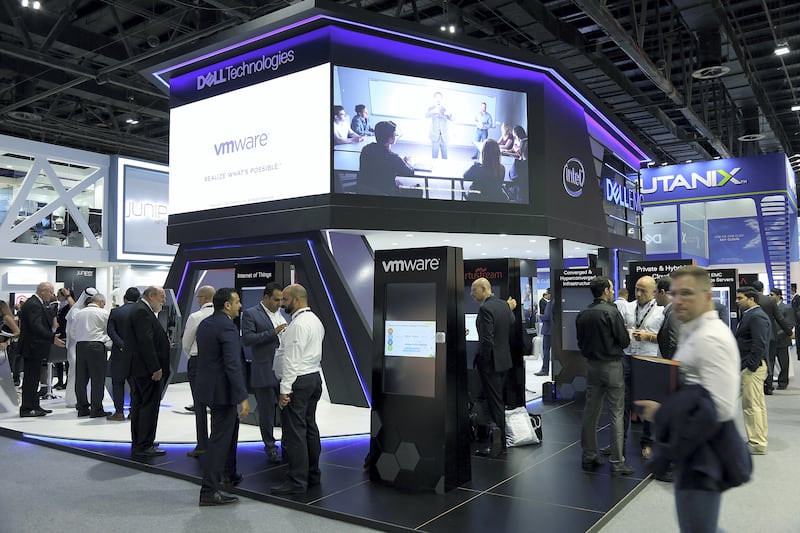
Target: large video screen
404,136
259,143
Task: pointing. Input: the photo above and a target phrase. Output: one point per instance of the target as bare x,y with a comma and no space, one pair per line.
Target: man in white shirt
205,297
88,328
622,302
297,365
643,319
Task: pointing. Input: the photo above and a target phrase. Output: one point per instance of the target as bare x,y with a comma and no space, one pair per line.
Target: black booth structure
255,178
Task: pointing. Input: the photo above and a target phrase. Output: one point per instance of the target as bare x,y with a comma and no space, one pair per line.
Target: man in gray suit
261,329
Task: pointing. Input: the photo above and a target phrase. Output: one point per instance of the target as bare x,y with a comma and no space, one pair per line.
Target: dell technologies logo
245,68
411,265
574,177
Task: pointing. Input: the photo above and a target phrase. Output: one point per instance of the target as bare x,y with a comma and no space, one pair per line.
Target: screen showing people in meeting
396,135
252,144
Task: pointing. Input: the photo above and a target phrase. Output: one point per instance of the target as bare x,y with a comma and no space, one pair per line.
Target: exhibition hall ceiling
693,79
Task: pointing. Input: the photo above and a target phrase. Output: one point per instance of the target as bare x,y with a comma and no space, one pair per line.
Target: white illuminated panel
268,141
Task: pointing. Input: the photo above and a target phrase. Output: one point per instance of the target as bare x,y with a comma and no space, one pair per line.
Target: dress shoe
647,452
621,469
590,465
190,408
229,482
60,386
196,453
287,488
768,392
217,498
103,414
666,477
152,451
45,411
82,414
605,450
782,387
540,373
273,458
116,417
484,452
31,413
754,450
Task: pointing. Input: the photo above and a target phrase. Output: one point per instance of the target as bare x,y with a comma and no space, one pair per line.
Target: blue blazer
220,376
752,337
547,318
259,334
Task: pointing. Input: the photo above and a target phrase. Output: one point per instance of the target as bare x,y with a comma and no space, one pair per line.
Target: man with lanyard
643,320
297,365
205,299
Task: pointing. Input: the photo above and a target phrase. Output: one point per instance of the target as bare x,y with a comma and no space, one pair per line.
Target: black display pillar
420,426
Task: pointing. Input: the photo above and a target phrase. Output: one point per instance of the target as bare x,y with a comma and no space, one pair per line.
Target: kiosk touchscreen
409,351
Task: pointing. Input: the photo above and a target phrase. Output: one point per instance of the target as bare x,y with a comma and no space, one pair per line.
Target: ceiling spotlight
452,28
796,107
35,4
131,121
688,160
782,49
442,28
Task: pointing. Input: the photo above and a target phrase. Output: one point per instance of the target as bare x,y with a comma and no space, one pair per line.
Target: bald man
205,300
495,326
643,318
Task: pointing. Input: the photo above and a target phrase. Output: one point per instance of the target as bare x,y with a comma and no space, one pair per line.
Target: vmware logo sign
411,265
245,68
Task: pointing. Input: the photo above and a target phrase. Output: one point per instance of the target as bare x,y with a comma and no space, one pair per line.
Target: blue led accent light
339,324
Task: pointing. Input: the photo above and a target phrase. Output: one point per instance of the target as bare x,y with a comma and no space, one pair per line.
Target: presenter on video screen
342,133
438,132
379,166
483,121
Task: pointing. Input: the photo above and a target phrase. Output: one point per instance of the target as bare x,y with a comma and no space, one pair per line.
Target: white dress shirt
709,357
90,324
276,318
647,317
300,352
189,340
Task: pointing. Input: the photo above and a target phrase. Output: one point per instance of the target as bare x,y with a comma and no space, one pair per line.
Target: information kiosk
420,428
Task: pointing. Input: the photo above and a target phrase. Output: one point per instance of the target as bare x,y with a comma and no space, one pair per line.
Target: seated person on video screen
342,134
360,123
487,176
379,166
506,140
518,175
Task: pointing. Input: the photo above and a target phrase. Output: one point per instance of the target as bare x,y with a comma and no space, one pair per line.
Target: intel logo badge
574,177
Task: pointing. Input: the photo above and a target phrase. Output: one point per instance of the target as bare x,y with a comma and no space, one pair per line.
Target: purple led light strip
642,157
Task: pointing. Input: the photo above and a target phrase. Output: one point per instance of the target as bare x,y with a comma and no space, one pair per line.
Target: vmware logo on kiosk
573,177
411,265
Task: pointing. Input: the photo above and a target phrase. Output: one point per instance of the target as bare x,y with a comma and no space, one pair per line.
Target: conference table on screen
441,179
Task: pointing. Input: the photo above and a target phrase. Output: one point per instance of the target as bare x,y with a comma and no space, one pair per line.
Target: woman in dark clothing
487,176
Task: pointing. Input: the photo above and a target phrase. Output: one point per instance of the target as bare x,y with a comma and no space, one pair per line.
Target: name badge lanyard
640,322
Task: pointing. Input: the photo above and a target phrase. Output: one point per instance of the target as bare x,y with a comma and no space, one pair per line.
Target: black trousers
145,399
493,384
200,410
219,461
90,365
300,432
119,367
31,366
647,431
267,400
781,354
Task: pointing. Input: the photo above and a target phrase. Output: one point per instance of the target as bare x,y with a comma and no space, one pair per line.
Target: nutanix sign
720,178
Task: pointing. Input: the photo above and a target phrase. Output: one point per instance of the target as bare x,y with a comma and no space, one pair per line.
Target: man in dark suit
36,337
261,328
120,362
783,341
220,385
752,338
147,344
495,326
776,320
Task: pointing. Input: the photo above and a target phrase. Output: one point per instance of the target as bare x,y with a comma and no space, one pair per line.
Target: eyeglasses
685,293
